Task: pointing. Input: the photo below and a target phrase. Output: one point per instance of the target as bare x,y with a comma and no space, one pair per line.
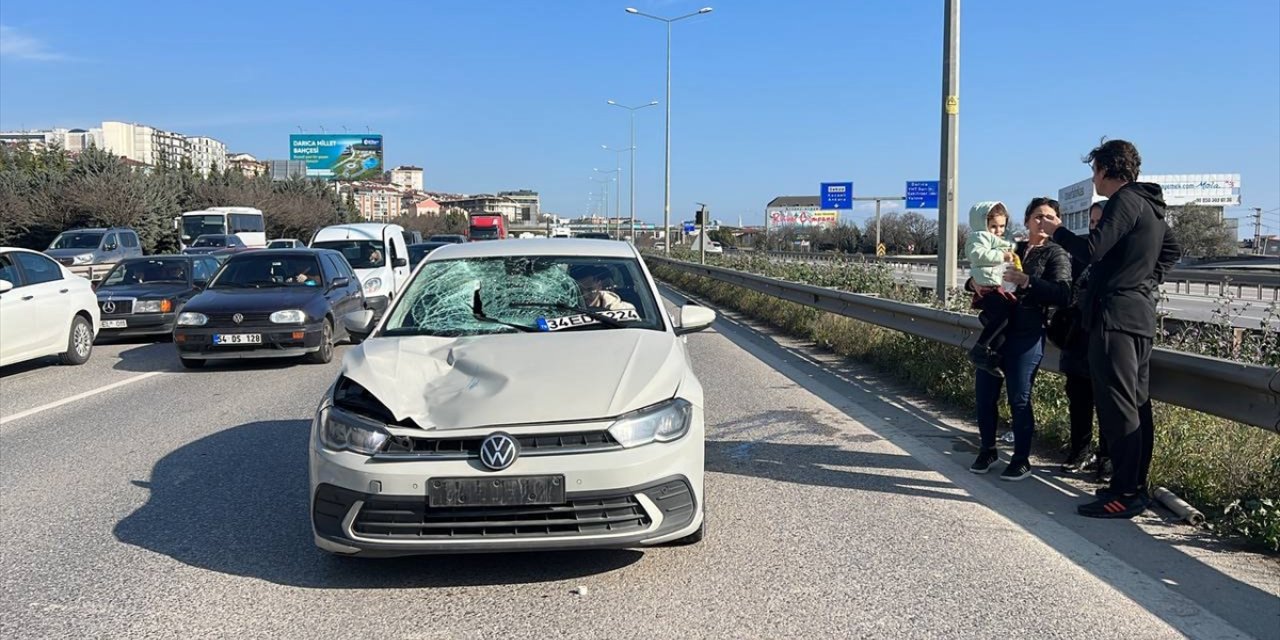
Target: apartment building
407,176
530,204
206,154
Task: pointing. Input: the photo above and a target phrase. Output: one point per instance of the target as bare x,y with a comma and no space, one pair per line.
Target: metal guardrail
1244,393
1215,281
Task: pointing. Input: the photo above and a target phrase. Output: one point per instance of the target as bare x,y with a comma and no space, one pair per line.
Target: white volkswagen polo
519,395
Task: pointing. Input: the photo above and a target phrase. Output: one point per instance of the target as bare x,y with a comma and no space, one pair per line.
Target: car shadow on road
163,356
236,502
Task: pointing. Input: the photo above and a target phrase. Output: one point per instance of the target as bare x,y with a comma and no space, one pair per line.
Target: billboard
338,156
1210,189
801,217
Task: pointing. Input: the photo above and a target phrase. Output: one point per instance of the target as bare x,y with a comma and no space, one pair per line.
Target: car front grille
397,519
249,319
538,444
117,307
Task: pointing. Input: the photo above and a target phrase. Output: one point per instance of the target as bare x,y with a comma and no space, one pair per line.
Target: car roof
166,256
369,230
535,247
300,251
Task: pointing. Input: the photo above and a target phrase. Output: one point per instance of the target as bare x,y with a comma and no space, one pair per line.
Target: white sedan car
520,395
45,310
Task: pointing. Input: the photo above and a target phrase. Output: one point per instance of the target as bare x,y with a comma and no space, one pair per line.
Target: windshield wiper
477,311
594,315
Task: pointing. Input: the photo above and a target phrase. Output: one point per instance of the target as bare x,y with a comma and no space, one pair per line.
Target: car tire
79,342
325,353
693,538
192,363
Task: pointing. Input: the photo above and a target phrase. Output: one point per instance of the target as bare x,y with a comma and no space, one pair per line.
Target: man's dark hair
1118,159
1036,203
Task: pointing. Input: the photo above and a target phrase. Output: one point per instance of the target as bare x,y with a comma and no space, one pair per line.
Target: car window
234,241
331,268
151,270
538,293
8,270
110,241
200,270
130,240
258,270
361,254
37,268
77,240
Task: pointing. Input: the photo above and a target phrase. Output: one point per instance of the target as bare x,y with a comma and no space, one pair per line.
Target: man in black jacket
1128,252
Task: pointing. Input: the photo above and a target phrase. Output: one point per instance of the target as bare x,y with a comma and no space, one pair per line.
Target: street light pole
633,110
666,183
948,203
606,194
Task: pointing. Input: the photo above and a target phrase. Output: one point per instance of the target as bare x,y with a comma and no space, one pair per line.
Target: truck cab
377,253
487,227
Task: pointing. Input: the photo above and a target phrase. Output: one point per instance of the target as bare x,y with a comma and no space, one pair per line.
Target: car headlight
344,431
84,258
662,422
192,319
154,306
372,285
289,316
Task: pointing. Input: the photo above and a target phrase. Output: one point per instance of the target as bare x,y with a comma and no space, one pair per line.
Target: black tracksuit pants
1120,366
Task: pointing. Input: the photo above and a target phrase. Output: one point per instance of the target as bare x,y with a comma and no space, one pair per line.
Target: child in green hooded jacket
990,251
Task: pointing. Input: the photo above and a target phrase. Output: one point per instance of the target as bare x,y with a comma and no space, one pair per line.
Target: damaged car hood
507,379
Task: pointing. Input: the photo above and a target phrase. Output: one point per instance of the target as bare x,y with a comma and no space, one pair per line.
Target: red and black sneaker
1109,505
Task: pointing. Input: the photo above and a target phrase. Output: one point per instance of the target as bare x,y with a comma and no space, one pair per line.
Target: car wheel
325,354
79,342
192,363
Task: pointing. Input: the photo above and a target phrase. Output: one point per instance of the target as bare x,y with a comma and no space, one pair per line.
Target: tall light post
617,193
605,182
666,183
633,110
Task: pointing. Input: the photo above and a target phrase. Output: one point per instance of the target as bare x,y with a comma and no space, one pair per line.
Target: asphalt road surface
142,500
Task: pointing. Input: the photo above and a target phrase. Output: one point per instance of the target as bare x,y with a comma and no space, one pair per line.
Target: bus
245,223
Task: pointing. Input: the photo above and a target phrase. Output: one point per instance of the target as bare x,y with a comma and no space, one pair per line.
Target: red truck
487,227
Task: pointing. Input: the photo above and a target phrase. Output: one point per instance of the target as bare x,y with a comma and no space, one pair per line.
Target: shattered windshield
524,294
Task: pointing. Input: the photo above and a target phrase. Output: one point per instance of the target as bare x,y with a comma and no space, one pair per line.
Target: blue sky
768,99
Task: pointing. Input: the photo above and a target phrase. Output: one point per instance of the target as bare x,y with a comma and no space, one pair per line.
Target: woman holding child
1012,343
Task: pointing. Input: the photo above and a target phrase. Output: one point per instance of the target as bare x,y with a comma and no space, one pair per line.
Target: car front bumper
278,341
139,324
617,498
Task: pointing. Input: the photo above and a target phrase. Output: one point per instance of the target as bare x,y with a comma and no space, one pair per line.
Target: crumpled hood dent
510,379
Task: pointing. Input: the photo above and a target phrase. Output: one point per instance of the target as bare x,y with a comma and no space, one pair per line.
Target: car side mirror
339,282
5,286
110,247
400,262
359,323
694,318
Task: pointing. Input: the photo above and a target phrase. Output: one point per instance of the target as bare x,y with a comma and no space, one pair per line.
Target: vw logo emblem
499,451
237,318
108,307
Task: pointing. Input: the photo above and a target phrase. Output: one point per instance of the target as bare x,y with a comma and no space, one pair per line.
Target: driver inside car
596,283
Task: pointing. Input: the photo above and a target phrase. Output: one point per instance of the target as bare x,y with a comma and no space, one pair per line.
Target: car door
398,255
355,292
15,336
43,304
344,299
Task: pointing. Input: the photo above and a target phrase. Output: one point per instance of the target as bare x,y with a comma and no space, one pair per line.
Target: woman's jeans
1020,360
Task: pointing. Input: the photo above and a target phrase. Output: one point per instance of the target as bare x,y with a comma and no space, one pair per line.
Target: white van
378,254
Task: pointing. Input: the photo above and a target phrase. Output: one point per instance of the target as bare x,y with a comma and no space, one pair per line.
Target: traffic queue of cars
511,395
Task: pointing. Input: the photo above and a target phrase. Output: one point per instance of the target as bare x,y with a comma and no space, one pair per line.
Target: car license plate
495,492
237,338
114,324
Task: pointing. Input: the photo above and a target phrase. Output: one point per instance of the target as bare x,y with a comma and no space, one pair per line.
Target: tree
962,238
1201,231
922,233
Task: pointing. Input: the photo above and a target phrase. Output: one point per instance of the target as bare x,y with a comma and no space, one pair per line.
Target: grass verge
1230,471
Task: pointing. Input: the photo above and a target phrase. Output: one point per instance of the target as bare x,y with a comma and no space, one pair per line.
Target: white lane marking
79,396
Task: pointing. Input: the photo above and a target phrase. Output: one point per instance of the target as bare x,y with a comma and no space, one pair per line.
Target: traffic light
700,216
